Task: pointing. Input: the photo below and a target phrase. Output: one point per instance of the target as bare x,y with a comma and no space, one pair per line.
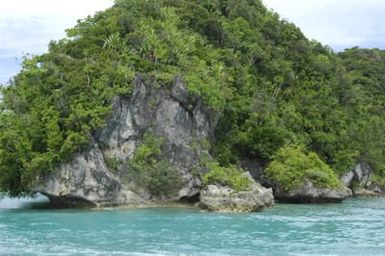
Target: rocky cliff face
170,113
361,174
360,180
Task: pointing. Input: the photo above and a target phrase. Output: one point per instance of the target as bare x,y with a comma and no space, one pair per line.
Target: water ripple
356,227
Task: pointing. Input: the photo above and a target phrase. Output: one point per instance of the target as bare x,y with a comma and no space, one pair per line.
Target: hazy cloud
27,26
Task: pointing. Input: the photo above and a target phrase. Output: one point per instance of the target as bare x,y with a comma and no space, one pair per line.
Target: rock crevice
360,180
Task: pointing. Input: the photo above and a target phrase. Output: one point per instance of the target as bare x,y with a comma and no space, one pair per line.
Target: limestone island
216,103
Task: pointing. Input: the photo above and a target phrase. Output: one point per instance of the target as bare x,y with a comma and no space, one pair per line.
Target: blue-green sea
355,227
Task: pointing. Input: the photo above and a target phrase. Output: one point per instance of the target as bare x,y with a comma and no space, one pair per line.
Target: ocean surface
355,227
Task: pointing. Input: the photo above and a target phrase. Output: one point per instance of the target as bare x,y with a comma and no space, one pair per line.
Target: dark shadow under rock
308,193
68,202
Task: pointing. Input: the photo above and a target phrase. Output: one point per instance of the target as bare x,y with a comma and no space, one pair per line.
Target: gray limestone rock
364,192
172,114
225,199
376,188
309,193
348,178
360,180
361,173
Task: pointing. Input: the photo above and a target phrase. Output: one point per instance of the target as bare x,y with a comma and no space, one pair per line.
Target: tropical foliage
291,168
150,171
230,176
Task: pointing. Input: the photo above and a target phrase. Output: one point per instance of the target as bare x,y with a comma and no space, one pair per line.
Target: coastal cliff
183,125
162,112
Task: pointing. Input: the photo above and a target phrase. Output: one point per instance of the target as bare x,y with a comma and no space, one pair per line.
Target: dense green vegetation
226,176
271,85
291,167
150,171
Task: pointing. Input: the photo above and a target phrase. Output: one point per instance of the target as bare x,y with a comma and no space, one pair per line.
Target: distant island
219,103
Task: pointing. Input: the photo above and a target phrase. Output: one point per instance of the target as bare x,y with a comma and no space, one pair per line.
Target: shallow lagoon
355,227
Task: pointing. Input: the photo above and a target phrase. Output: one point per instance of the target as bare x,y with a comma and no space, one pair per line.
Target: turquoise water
355,227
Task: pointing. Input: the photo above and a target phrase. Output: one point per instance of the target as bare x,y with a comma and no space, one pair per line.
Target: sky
27,26
338,23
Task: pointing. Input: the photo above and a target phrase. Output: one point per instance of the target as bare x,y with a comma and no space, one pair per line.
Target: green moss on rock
226,176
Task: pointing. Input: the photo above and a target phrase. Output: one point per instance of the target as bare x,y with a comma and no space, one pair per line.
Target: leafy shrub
148,169
226,176
160,178
291,167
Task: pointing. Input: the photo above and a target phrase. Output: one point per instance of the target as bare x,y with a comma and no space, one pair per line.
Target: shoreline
148,205
46,205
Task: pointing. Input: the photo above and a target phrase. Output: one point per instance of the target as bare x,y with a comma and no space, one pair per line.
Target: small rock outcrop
360,180
225,199
361,174
364,192
376,188
173,114
308,193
